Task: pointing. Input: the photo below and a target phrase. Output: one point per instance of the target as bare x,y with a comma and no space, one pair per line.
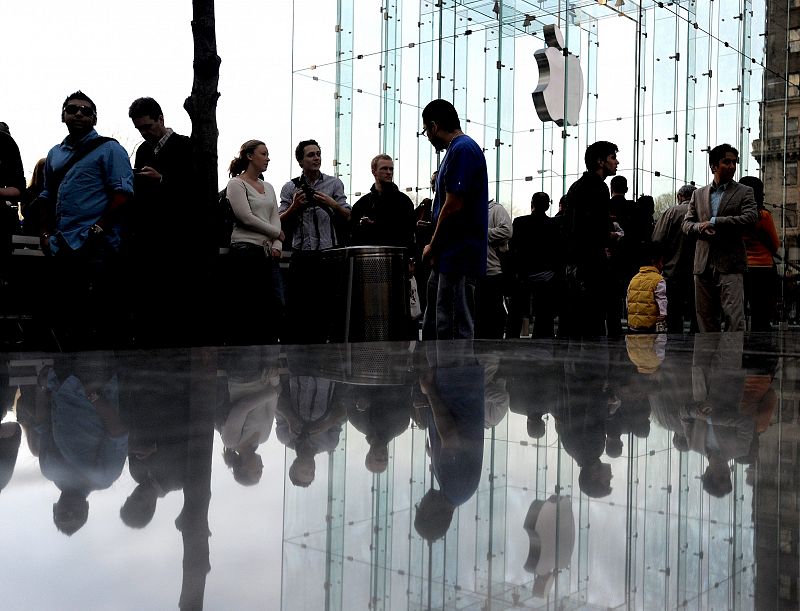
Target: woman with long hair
256,245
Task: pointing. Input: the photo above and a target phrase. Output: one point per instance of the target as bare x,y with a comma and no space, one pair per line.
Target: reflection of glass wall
665,81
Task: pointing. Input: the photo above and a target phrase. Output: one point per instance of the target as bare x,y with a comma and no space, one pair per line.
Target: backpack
225,220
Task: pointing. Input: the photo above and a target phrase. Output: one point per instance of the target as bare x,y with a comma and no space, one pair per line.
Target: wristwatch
96,230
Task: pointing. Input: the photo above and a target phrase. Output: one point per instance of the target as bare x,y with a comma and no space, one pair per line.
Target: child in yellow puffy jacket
647,294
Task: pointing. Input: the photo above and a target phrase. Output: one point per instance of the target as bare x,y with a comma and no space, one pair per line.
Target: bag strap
58,177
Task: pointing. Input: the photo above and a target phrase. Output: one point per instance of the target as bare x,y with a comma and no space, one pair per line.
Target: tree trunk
201,106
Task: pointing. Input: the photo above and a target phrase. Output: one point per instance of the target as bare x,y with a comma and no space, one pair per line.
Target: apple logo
558,71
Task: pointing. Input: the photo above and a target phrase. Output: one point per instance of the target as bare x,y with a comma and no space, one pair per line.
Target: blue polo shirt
464,245
86,190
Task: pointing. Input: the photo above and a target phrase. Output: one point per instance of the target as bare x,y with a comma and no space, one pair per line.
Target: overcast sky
117,51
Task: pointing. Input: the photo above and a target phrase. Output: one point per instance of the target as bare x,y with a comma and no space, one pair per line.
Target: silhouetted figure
310,414
10,432
88,182
581,414
490,306
30,216
713,424
253,387
314,210
677,250
83,440
457,250
622,259
166,244
533,388
156,402
381,413
536,257
12,187
255,251
453,384
761,277
587,231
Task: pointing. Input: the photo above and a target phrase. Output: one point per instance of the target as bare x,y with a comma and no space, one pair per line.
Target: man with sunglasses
458,247
88,179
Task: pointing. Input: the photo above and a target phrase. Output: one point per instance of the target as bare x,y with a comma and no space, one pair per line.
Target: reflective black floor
656,472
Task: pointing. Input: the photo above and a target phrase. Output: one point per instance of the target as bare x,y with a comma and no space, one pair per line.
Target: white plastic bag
413,295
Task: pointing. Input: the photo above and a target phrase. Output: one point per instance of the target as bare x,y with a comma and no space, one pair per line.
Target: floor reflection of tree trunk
193,520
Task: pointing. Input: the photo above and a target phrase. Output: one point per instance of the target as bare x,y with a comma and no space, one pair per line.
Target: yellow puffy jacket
642,306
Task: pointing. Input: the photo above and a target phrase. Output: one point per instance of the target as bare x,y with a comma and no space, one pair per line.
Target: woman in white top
256,244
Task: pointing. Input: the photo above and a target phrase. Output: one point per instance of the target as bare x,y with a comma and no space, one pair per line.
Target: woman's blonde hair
240,163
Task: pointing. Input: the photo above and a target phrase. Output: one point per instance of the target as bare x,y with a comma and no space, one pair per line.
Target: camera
308,191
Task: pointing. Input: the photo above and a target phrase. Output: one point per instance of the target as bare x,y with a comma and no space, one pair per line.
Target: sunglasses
74,109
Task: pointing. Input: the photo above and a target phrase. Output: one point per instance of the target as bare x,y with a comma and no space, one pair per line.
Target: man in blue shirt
80,225
458,247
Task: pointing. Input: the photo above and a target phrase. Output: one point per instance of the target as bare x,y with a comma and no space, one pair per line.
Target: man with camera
315,211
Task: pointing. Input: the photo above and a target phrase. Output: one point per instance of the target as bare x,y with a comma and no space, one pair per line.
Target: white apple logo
556,71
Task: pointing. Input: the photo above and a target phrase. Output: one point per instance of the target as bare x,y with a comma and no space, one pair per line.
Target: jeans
85,310
450,310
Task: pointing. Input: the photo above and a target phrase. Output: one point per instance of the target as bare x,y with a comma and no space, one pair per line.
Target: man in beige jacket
718,214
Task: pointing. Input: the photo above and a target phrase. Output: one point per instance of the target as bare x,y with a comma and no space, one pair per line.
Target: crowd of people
603,259
131,251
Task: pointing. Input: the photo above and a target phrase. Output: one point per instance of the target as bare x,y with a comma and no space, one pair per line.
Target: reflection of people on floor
713,424
581,414
311,412
253,386
533,387
495,389
454,386
381,413
674,390
10,432
646,351
156,401
631,386
83,441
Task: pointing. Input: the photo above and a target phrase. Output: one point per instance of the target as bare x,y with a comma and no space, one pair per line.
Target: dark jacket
586,222
535,244
393,219
166,214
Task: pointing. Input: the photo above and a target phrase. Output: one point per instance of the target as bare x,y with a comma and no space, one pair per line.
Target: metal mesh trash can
376,294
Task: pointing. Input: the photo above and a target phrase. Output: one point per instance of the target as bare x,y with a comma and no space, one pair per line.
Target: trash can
376,294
